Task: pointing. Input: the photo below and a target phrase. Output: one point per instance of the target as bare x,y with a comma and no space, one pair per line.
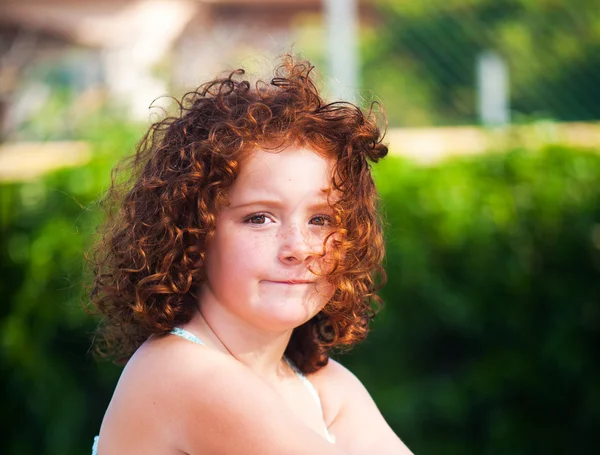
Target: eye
321,220
259,218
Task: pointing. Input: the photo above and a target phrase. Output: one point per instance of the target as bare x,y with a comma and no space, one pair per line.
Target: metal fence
424,55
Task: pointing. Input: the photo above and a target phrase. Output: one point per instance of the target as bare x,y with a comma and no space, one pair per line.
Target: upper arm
224,408
357,425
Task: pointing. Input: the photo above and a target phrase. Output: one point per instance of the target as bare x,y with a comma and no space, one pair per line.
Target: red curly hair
149,260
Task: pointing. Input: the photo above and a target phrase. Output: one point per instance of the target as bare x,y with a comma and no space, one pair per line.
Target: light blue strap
187,335
313,391
95,446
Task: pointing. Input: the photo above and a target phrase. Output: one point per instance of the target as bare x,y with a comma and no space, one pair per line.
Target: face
269,241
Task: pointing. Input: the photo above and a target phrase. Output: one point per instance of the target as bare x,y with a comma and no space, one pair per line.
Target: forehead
293,171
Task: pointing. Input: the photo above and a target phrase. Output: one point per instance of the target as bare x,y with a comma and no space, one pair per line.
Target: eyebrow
263,202
324,205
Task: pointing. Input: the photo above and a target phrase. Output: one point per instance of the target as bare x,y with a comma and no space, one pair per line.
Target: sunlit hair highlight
149,259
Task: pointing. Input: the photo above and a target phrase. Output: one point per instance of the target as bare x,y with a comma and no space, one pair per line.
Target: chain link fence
423,56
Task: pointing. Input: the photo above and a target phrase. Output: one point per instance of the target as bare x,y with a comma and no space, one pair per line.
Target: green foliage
487,343
55,394
422,60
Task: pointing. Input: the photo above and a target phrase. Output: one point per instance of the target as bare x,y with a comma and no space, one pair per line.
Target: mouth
292,281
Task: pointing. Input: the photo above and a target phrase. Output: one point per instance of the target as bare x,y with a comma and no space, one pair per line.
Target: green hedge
486,344
54,392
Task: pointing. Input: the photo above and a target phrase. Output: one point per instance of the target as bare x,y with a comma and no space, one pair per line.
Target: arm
357,424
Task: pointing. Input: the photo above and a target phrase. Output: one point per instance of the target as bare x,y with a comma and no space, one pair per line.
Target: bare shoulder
335,373
155,383
335,384
189,398
352,415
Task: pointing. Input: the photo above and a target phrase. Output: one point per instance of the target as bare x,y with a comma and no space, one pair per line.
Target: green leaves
486,343
487,337
55,394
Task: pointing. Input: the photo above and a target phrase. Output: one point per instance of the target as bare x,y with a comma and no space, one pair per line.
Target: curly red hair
148,262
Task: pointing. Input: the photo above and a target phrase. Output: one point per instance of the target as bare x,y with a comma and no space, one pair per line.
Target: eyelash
248,220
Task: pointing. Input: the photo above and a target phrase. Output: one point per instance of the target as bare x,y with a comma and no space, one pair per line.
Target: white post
492,89
341,18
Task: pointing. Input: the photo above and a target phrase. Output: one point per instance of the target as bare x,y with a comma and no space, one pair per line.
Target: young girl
245,248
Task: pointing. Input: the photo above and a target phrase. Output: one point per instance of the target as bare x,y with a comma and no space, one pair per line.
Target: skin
236,395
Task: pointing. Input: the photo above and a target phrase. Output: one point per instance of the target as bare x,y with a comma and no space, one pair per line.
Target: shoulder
194,399
335,371
161,366
351,414
339,389
157,382
334,383
173,376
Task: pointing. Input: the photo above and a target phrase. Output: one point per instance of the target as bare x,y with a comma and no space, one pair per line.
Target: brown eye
321,220
256,219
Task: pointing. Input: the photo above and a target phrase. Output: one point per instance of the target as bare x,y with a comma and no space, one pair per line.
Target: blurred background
488,342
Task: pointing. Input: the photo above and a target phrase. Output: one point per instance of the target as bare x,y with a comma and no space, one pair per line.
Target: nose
297,245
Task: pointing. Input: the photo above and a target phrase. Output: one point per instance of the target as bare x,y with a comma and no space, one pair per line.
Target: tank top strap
95,446
311,388
187,335
305,381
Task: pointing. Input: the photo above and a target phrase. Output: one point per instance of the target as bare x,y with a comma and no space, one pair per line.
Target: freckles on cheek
324,291
247,248
333,255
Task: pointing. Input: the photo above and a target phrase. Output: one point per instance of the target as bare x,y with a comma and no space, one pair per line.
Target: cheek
235,252
324,291
333,254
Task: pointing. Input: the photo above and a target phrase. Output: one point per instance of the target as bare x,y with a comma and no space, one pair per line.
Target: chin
287,314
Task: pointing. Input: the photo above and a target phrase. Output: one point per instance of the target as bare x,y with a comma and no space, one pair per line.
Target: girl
244,249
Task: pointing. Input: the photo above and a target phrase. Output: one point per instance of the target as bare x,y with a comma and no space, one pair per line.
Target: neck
258,348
